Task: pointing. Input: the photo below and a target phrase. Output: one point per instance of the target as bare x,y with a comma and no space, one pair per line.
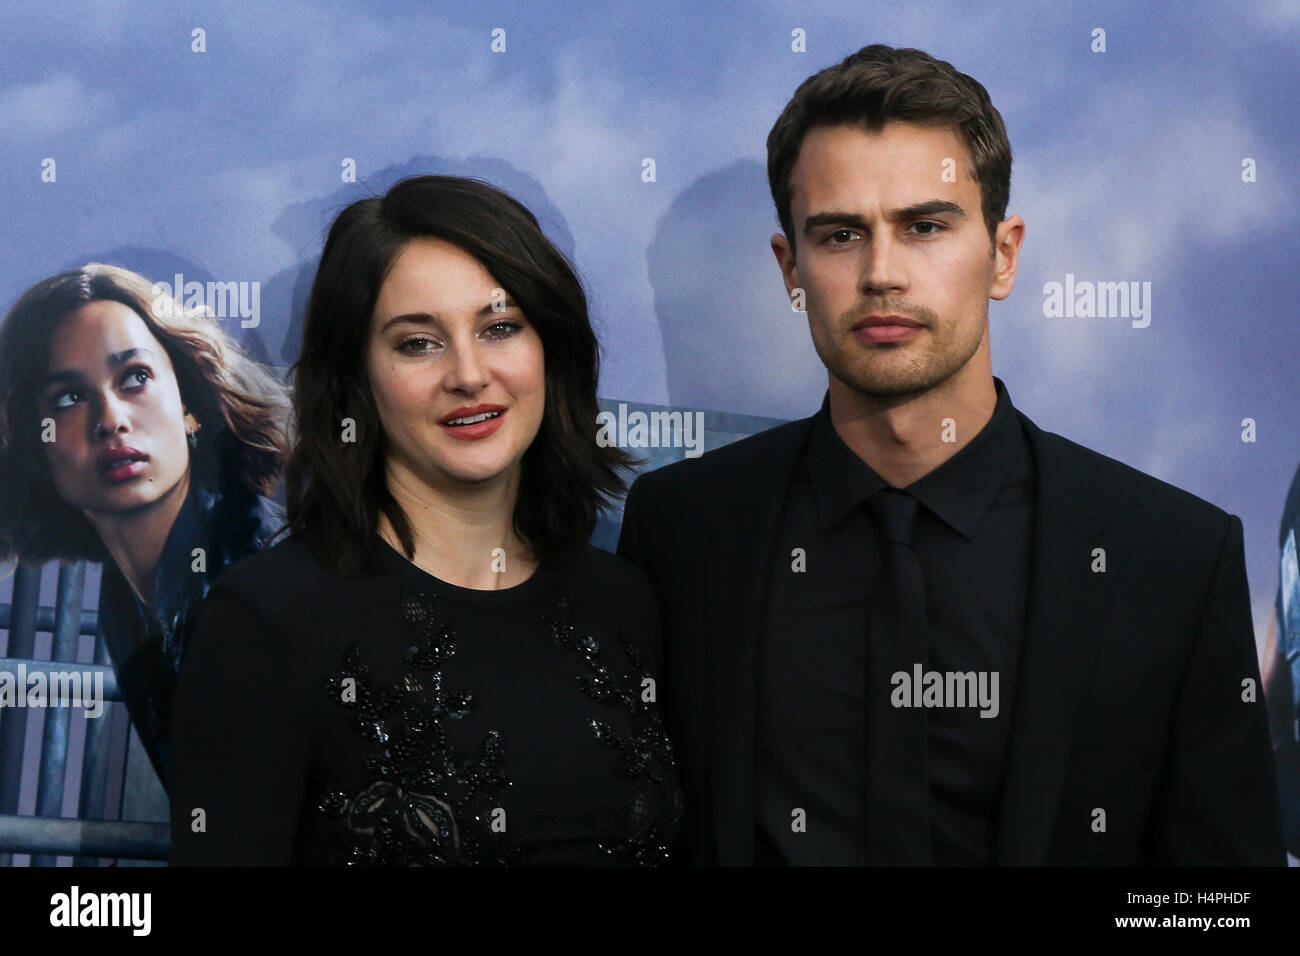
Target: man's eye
936,226
840,232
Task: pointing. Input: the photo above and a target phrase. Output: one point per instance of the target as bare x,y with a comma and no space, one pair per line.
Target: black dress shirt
972,538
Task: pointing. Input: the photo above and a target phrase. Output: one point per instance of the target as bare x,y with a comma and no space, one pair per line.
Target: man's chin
877,386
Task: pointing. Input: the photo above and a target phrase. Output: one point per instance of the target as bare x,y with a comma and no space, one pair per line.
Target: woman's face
119,437
440,359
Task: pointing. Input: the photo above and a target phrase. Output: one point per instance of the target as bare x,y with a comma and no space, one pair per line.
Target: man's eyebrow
428,318
112,362
930,207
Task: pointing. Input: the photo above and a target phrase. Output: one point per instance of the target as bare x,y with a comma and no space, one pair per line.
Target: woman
436,667
134,432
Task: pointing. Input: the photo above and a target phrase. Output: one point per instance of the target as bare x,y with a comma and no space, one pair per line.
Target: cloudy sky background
1127,167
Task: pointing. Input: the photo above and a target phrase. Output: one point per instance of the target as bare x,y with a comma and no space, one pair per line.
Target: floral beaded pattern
428,804
642,831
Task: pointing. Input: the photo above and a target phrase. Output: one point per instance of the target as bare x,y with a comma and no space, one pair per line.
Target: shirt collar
958,492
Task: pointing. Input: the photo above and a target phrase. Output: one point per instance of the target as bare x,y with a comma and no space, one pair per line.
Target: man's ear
784,252
1010,234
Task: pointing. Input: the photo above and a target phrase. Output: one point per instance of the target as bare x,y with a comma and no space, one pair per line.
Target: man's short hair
879,84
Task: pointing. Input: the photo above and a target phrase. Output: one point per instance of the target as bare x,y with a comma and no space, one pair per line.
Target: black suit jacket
1130,694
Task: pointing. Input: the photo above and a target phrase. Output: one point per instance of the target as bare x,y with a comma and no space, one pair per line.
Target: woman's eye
57,401
416,351
502,330
139,375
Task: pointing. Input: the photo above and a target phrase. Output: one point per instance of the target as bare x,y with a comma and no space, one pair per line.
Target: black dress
395,719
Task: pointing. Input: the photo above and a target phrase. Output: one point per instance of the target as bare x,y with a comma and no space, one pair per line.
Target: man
915,628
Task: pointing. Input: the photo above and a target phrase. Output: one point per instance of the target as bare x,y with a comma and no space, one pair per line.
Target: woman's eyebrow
111,362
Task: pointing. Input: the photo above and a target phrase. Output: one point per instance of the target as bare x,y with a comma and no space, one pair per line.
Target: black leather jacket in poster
147,645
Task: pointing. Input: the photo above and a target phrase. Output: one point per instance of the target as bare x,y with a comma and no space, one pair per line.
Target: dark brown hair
242,410
335,490
879,84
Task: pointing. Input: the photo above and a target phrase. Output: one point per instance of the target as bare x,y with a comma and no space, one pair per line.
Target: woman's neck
135,539
464,534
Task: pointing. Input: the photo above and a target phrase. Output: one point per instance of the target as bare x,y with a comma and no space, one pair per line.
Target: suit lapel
1069,605
740,557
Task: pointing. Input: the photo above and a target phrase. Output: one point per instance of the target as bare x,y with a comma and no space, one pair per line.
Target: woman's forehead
94,337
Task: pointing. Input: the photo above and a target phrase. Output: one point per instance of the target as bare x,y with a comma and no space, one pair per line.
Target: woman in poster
134,432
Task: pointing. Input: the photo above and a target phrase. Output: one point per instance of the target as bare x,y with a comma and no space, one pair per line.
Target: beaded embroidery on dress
428,803
641,832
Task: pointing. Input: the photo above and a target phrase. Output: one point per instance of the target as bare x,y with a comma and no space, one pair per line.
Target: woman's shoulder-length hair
241,408
335,486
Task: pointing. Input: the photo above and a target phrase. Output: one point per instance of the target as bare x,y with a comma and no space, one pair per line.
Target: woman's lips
123,471
477,430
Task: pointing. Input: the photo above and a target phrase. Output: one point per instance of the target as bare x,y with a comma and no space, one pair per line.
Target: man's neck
905,438
463,535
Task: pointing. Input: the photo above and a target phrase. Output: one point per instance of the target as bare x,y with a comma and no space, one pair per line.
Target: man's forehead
900,164
895,134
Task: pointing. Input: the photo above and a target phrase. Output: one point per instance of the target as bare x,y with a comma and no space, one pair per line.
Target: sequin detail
427,803
642,830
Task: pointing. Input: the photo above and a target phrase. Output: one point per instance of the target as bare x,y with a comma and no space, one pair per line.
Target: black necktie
898,780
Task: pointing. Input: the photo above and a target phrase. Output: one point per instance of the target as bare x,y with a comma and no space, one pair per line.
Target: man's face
881,230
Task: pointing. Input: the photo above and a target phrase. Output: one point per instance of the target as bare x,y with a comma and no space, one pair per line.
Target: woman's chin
126,497
477,472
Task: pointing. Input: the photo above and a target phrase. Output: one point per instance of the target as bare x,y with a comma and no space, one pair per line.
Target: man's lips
879,319
886,328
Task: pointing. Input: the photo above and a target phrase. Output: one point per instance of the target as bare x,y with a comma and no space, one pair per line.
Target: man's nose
882,271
